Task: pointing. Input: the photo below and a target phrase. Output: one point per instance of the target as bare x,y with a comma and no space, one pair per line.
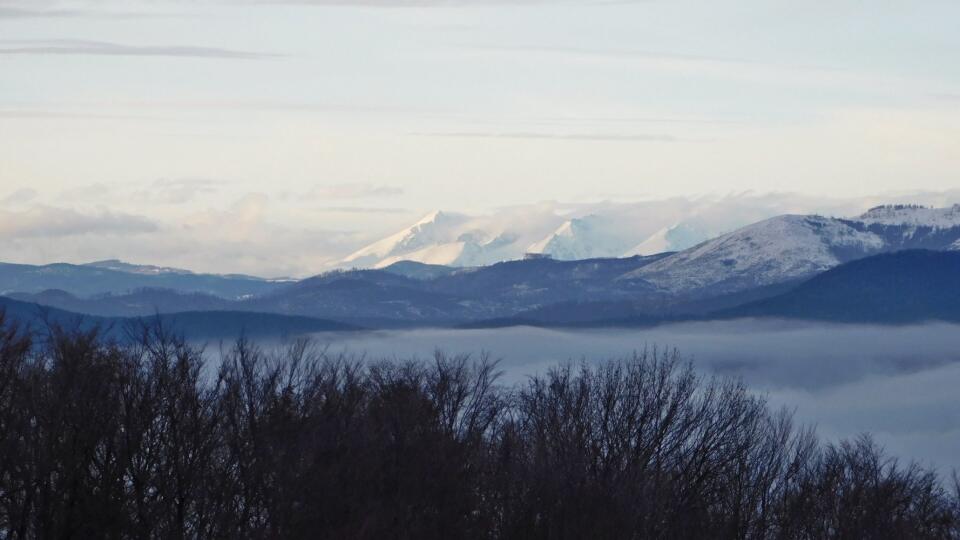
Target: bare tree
141,438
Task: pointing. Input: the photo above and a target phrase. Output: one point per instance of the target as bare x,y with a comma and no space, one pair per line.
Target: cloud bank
53,222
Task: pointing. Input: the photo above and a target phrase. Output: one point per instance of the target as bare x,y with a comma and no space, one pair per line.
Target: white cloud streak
103,48
356,190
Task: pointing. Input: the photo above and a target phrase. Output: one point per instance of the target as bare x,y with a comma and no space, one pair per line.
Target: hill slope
907,286
87,280
193,325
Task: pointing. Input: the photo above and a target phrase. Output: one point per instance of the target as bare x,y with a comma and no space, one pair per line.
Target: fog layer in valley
899,383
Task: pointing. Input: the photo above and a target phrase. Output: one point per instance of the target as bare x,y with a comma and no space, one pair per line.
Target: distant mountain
600,230
572,314
418,270
120,266
362,295
794,247
142,302
193,325
749,265
499,290
88,280
404,292
577,231
675,238
444,238
35,316
587,237
901,287
229,325
427,241
535,282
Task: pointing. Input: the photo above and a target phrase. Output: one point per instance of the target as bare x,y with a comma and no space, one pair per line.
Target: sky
273,137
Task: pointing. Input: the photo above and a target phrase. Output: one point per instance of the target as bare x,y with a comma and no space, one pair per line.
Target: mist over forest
146,435
898,383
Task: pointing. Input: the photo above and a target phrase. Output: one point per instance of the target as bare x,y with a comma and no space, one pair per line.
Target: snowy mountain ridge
751,244
902,214
586,237
566,232
793,247
452,240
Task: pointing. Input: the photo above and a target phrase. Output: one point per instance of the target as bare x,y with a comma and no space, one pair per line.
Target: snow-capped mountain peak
447,238
586,237
431,230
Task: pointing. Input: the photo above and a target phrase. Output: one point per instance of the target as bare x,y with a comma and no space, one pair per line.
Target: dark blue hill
86,280
193,325
900,287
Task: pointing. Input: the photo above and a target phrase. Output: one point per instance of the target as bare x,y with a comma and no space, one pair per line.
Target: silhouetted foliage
147,440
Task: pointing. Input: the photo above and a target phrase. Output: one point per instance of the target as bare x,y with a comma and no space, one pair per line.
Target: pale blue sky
356,116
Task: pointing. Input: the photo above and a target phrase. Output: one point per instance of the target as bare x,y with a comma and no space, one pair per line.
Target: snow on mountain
563,231
433,229
792,247
919,216
658,242
586,238
443,254
145,269
604,229
456,240
679,237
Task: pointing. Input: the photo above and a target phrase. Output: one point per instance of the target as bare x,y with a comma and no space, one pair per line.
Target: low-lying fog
900,383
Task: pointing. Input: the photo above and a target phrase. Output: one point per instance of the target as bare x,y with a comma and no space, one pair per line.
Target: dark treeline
141,440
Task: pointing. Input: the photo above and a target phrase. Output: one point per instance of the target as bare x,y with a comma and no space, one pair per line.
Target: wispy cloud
433,3
178,190
22,195
26,13
102,48
358,190
26,10
96,192
362,210
21,12
622,137
52,222
646,55
39,114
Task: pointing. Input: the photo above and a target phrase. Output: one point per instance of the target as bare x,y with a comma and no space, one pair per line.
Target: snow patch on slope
456,240
771,251
585,238
676,238
938,218
430,230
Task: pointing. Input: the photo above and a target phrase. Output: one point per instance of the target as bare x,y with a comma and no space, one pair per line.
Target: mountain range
458,240
791,247
111,277
194,325
571,232
772,268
